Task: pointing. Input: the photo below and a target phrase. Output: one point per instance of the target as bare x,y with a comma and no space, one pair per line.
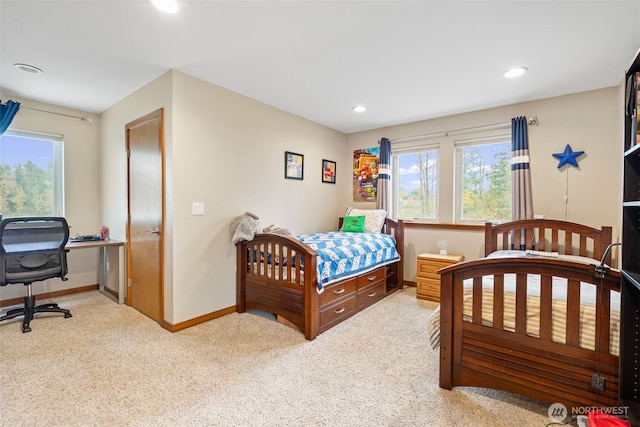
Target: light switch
197,208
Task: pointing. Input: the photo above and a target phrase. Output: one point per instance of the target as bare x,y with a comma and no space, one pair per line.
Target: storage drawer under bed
371,277
371,294
333,313
337,290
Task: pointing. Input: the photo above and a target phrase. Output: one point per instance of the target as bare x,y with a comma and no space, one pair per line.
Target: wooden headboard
548,235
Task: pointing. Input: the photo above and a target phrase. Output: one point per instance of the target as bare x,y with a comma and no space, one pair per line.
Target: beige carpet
109,365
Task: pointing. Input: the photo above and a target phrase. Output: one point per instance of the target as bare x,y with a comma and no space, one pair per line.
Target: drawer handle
371,278
339,291
372,294
340,310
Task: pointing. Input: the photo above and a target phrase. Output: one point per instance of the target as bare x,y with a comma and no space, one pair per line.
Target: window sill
442,226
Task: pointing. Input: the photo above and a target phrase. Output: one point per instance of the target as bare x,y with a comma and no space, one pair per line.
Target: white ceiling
406,61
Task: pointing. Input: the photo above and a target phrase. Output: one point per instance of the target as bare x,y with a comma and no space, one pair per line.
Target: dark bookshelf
629,388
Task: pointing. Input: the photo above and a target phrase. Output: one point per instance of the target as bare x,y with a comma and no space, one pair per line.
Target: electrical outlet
597,382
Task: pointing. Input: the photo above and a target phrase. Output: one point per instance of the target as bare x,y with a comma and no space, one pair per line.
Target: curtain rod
531,121
84,119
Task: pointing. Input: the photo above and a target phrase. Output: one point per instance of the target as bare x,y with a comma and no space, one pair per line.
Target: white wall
81,142
588,121
228,152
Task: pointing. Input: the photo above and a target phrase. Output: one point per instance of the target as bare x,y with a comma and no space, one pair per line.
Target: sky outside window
17,149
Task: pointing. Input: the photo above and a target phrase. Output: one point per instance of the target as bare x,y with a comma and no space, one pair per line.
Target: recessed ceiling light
359,108
515,72
28,68
167,6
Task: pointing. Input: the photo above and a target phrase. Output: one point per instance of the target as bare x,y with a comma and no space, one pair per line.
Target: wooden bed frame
297,300
475,354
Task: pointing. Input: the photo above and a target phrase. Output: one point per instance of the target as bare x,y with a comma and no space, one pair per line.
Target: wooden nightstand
428,279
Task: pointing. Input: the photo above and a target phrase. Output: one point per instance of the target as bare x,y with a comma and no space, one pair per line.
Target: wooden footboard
282,288
278,274
485,352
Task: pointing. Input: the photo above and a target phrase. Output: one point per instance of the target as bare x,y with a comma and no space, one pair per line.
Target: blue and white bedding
343,255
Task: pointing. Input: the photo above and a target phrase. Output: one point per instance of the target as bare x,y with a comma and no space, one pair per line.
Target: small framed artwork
328,171
293,165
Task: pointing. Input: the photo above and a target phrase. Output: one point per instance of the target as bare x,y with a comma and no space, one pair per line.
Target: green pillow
353,224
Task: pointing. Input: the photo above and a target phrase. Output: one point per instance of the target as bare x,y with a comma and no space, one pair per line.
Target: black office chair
32,250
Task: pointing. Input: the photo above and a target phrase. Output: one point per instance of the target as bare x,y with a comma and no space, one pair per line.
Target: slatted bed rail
548,235
278,259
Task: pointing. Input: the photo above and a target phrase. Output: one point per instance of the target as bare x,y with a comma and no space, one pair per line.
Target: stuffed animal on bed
245,227
276,229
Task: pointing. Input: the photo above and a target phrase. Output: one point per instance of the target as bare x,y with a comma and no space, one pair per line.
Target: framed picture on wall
293,165
328,171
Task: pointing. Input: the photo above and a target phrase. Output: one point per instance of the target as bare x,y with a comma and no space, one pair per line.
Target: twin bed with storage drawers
293,278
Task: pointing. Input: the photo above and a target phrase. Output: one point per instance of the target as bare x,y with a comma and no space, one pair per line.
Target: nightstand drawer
423,283
431,267
428,289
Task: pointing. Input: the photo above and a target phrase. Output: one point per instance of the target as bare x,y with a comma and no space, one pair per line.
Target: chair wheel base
30,310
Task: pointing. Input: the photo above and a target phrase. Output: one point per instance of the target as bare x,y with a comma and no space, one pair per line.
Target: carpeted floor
109,365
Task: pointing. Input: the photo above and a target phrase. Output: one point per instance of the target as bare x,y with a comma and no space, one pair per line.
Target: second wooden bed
545,327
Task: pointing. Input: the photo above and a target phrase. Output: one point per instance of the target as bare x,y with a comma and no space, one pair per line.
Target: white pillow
507,253
373,218
581,259
523,254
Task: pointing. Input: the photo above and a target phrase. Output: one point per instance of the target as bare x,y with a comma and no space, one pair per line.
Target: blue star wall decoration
568,157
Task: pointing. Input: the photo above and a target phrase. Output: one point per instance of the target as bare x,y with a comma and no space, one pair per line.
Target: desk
109,265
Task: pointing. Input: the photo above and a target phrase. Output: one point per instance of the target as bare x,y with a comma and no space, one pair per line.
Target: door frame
146,118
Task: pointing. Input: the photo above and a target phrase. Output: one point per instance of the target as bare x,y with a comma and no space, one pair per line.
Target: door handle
156,231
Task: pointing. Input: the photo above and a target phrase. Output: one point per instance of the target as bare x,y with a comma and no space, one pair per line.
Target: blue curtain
521,198
522,202
7,113
384,176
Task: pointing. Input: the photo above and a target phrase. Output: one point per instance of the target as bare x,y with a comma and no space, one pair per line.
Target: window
415,184
31,182
483,181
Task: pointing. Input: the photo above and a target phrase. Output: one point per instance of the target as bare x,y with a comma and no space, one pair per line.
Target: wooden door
144,139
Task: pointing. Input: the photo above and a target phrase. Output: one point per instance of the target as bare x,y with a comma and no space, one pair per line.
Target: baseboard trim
53,294
198,320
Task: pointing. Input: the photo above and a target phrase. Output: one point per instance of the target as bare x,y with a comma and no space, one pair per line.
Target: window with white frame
415,183
483,180
31,175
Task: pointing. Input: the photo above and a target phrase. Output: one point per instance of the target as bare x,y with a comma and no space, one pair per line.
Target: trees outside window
484,182
415,175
